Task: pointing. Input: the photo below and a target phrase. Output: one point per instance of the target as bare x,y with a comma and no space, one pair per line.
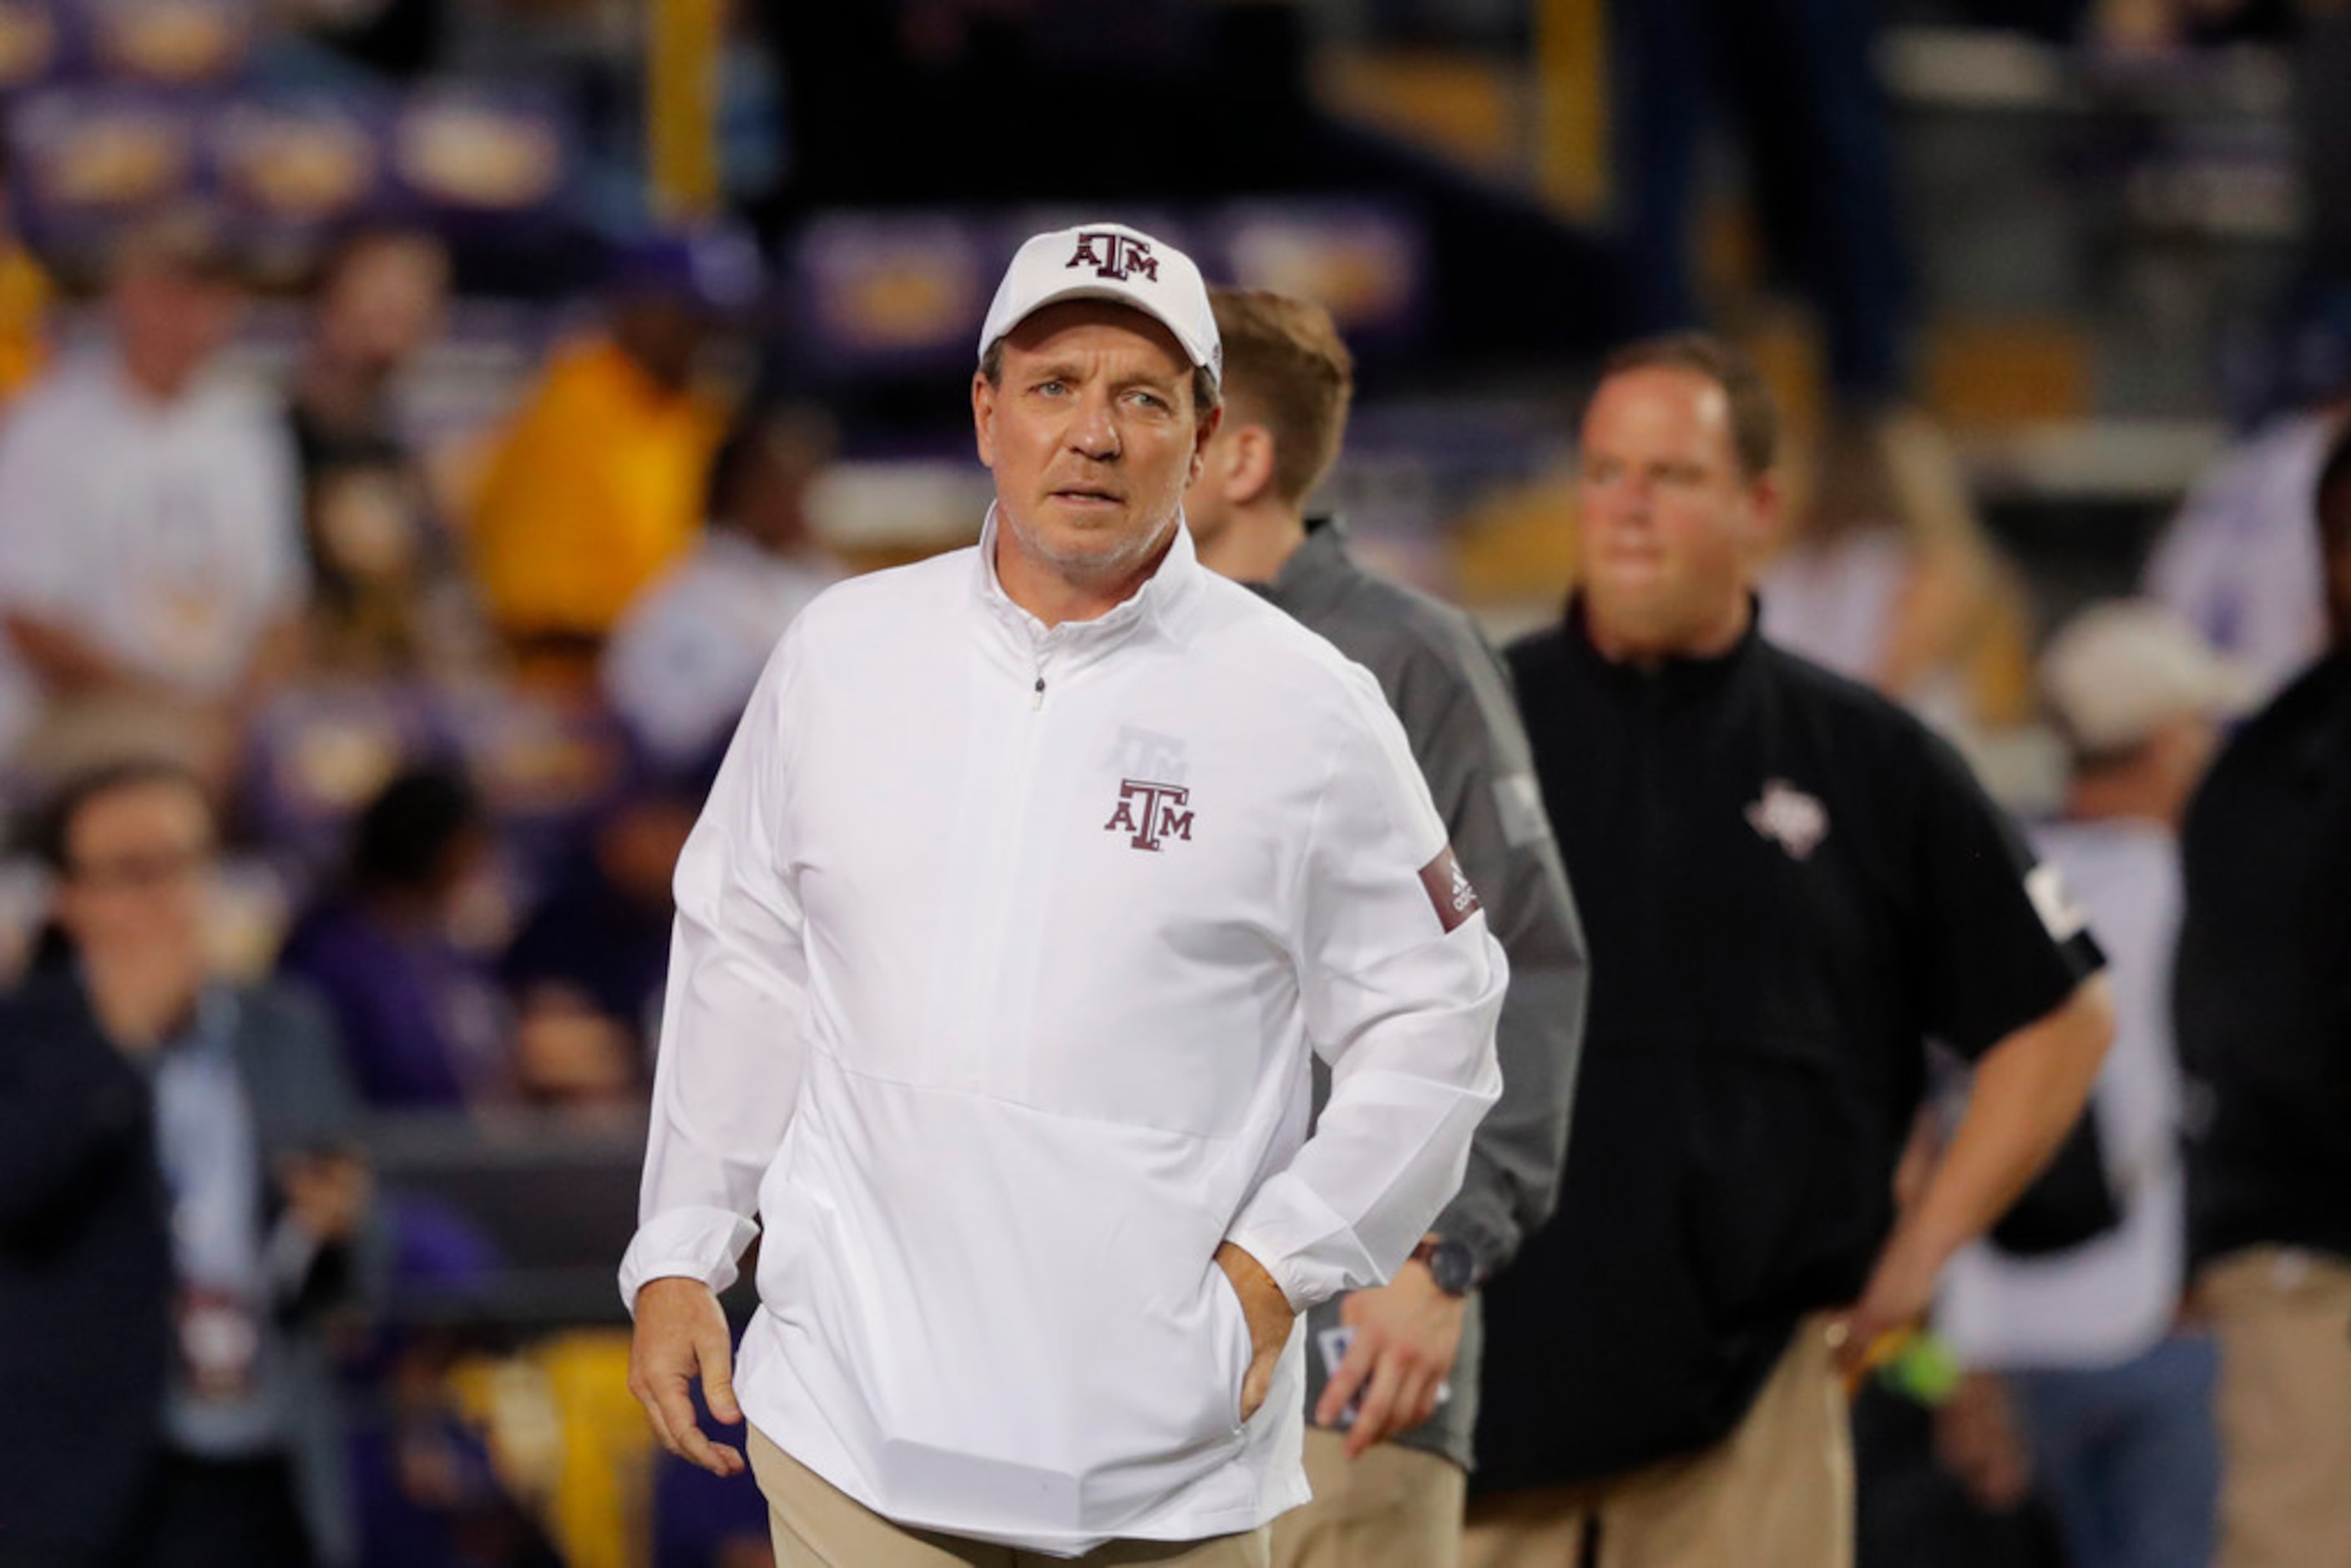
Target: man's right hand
682,1333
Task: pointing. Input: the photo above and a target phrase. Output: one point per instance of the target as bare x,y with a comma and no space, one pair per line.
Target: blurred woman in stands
389,596
683,660
419,1008
1887,577
586,972
406,953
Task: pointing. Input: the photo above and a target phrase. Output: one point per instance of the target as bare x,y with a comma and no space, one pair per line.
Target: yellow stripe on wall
1572,78
682,109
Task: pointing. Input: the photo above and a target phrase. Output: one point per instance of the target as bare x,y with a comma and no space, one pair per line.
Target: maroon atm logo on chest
1150,815
1114,256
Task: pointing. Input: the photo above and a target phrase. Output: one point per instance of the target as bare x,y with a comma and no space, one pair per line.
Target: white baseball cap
2119,670
1109,261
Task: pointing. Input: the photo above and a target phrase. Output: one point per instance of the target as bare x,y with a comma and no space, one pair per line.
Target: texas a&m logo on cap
1113,255
1151,813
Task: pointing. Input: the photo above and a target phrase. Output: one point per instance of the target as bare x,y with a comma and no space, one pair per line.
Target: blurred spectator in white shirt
151,565
2240,560
2112,1399
1887,578
683,661
389,594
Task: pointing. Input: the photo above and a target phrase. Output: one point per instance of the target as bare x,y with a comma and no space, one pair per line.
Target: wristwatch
1448,1263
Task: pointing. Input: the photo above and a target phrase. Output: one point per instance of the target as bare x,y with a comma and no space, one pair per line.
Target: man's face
384,303
637,848
169,322
769,502
1669,517
664,336
138,865
1093,437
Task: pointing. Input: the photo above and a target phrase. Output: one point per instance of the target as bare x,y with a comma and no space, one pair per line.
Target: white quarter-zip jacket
999,953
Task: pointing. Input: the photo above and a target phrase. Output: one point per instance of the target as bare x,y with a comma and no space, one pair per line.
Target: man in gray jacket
1400,1362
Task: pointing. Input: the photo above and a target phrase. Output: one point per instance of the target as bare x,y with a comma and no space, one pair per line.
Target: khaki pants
1394,1508
1776,1493
2283,1323
816,1525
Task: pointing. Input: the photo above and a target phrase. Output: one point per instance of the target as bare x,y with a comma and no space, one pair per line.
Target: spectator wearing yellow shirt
23,300
597,486
24,293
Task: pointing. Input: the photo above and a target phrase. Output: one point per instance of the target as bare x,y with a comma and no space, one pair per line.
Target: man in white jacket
1033,876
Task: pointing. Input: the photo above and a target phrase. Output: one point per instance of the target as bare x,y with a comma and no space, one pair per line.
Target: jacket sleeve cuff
1472,1223
685,1244
1311,1253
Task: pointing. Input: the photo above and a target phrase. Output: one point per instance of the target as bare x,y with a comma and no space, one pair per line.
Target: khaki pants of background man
1394,1508
2283,1323
817,1525
1776,1493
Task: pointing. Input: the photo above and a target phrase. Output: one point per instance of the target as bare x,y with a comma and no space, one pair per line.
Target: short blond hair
1754,416
1284,358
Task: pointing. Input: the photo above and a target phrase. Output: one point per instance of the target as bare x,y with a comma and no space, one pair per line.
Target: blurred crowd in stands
418,697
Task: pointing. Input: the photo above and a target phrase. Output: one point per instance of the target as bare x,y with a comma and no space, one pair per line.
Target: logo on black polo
1794,820
1114,256
1150,815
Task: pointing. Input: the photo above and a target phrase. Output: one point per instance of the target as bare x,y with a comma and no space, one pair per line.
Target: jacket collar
1159,606
1675,677
216,1027
1317,572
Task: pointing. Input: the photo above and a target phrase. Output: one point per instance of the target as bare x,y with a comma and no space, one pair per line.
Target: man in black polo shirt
1789,887
2264,1021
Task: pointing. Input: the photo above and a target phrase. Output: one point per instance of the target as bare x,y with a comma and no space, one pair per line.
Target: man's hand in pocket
1269,1318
